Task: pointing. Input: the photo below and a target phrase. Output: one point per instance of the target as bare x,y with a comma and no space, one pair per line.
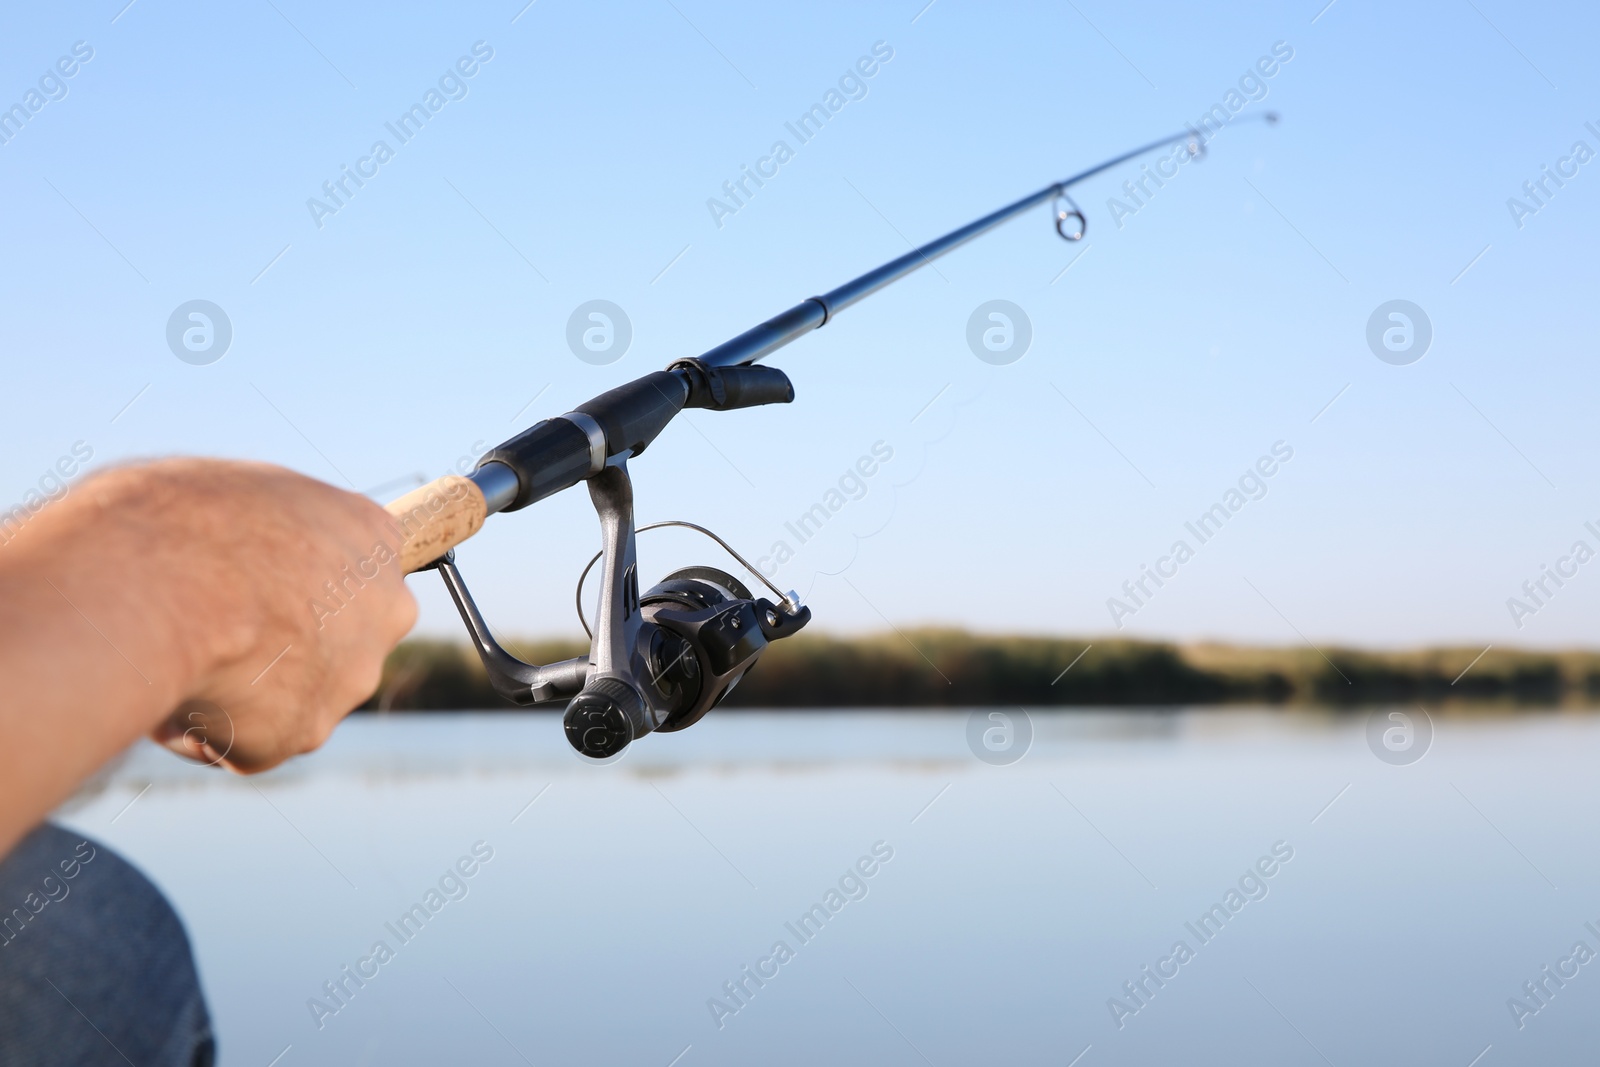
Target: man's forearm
90,651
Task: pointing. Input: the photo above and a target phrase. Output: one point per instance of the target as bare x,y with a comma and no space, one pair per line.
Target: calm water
1016,903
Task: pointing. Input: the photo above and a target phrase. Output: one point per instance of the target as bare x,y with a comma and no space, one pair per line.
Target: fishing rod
658,662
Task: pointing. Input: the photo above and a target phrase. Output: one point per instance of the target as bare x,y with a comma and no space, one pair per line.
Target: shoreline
941,668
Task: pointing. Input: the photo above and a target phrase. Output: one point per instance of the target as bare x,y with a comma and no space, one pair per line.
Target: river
1332,906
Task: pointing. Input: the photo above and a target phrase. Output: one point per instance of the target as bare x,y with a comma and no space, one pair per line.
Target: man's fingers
293,706
198,730
403,616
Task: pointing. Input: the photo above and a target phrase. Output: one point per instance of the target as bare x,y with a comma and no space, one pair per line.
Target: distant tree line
952,668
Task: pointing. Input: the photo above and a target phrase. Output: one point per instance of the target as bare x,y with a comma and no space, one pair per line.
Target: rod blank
816,312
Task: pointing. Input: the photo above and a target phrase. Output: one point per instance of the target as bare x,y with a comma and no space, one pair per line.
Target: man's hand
234,611
297,606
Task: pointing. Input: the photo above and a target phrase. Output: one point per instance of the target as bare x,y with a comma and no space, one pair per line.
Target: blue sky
414,326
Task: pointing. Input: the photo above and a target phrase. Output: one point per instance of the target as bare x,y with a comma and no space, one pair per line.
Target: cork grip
435,518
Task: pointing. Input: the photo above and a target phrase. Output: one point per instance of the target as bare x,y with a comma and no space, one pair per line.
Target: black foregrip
554,455
633,414
548,457
749,387
726,388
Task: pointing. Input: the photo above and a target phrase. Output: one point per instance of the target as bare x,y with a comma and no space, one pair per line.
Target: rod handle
434,518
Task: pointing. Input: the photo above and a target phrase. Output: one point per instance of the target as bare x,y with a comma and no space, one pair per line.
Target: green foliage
941,668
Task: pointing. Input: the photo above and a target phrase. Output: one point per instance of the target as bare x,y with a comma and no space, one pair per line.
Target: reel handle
434,518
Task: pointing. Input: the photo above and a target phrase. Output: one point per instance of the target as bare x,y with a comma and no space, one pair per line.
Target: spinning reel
660,661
